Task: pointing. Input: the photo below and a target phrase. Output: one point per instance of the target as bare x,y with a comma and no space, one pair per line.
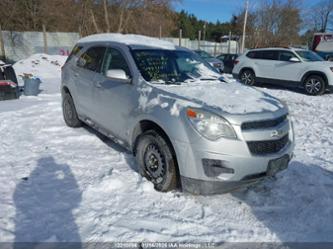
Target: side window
76,50
270,55
286,56
115,60
92,59
255,55
251,54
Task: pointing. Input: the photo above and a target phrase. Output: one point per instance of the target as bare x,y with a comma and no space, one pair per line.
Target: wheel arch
65,90
312,73
145,125
247,68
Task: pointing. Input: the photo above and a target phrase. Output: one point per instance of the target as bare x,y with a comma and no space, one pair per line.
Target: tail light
236,62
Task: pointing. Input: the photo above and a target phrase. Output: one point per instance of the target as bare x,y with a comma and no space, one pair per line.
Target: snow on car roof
129,39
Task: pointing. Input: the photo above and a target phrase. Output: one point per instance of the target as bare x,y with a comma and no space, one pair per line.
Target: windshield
172,66
309,55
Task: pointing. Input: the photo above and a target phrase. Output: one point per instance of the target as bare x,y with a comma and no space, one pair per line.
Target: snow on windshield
162,66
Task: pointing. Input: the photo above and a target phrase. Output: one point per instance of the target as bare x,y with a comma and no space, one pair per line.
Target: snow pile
63,184
42,66
129,39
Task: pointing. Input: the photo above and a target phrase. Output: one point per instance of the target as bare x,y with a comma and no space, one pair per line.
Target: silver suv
187,125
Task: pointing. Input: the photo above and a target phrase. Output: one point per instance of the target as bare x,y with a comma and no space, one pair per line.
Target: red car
8,83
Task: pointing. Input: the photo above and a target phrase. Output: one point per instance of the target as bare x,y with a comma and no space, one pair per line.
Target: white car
285,66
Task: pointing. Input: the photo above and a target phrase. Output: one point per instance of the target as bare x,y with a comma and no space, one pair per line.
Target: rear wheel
69,112
248,77
156,161
315,85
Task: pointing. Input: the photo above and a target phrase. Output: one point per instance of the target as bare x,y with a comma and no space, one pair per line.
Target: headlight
210,125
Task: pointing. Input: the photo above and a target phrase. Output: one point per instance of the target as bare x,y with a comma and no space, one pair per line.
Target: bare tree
106,16
273,23
322,14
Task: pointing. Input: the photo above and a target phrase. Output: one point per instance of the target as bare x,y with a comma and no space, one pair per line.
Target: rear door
285,69
88,67
265,62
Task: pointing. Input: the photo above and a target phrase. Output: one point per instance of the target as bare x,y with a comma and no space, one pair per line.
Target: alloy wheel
313,86
247,78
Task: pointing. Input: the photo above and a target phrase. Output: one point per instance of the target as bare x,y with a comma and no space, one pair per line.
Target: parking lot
87,188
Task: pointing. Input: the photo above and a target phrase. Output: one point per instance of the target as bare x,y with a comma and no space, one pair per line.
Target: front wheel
156,161
315,85
248,77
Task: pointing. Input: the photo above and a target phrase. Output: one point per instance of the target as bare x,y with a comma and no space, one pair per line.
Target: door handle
98,84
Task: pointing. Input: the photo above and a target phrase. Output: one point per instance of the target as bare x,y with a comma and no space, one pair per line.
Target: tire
315,85
156,162
248,77
69,112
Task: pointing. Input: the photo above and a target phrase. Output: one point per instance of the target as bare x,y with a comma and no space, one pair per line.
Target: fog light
213,168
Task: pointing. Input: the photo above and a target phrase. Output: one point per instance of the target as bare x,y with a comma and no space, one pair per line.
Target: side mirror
294,59
118,74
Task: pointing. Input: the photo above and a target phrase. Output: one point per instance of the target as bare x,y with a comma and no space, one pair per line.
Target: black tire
248,77
69,112
314,85
156,162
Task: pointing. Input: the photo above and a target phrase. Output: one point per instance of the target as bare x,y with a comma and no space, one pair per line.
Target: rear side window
76,50
263,55
92,59
270,55
255,54
115,60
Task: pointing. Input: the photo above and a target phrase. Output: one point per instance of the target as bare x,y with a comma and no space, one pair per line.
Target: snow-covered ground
63,184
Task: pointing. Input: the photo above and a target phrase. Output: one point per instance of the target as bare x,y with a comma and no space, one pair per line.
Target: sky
222,10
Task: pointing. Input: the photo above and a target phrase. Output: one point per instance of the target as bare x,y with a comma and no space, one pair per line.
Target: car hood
231,98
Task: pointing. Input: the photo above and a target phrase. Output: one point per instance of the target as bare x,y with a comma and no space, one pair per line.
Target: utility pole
199,39
244,28
180,37
229,43
204,31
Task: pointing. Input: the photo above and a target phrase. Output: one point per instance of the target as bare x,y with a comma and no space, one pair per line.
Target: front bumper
205,187
238,166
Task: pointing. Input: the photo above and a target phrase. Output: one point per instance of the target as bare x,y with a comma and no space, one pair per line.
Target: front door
285,69
115,99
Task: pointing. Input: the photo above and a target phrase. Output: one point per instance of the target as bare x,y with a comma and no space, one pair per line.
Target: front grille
263,124
268,147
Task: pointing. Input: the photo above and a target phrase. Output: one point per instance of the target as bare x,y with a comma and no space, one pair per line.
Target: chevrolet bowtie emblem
276,133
